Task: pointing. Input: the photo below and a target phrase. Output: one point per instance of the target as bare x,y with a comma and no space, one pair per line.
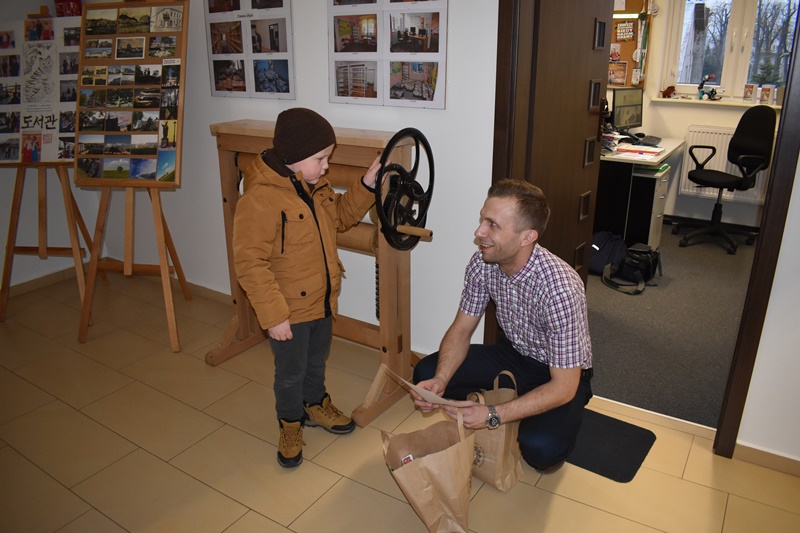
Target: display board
387,52
630,37
130,94
250,48
38,88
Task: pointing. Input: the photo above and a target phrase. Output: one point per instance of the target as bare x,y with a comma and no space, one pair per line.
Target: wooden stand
128,267
238,143
43,250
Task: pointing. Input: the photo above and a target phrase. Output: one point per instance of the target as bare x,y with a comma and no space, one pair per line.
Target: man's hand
474,414
281,332
436,385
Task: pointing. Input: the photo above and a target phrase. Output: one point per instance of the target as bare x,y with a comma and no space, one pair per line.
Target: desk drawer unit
648,198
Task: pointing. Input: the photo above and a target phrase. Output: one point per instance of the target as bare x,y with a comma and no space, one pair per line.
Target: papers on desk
637,152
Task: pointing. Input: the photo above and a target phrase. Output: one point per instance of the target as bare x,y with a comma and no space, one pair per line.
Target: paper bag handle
507,373
460,416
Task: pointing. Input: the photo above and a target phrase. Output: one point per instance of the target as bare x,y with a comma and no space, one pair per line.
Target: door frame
514,87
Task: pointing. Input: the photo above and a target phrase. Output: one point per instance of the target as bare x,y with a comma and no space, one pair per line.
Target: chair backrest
754,134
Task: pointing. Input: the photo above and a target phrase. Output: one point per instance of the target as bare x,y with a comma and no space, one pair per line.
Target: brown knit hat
301,133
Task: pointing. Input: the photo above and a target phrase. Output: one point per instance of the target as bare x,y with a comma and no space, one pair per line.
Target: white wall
461,138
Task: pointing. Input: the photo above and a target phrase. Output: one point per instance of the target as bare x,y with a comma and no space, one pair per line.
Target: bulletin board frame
132,71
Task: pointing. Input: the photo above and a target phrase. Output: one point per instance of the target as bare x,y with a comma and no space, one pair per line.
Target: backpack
607,249
639,265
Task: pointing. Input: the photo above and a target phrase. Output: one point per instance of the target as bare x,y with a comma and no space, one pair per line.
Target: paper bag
433,468
498,461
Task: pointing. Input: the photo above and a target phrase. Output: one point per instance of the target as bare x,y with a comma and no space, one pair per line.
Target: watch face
494,422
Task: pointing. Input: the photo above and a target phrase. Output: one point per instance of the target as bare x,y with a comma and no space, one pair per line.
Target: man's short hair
533,212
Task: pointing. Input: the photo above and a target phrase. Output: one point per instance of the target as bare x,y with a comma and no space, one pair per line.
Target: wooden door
546,125
552,66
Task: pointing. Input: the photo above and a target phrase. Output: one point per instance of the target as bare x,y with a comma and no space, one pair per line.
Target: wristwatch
493,420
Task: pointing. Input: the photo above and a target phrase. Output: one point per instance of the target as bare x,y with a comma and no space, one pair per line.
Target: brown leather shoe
290,443
328,417
550,469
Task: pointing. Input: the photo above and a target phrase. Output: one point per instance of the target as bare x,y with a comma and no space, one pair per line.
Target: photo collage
250,48
38,89
129,99
388,52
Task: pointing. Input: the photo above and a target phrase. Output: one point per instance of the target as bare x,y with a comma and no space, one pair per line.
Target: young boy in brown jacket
284,249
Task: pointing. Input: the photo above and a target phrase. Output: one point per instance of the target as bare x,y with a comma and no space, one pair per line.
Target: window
736,41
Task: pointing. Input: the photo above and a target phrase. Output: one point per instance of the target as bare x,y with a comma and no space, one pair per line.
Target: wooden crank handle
423,233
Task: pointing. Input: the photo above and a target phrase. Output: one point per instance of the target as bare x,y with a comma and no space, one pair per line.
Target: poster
385,52
250,48
38,89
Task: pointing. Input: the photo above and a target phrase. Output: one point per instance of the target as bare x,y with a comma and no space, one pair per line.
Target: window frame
738,49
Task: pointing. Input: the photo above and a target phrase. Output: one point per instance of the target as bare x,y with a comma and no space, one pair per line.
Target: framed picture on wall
388,53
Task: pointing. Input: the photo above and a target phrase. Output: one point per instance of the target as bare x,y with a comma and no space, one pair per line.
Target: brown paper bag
498,461
433,468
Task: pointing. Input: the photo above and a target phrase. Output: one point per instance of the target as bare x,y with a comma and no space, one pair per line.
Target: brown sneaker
290,444
328,417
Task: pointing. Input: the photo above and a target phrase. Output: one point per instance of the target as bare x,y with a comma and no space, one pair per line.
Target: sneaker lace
292,438
330,411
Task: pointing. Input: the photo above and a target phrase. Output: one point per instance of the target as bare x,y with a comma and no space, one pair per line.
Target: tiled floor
121,434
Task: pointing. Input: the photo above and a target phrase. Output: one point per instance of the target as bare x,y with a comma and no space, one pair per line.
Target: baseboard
654,418
766,459
672,220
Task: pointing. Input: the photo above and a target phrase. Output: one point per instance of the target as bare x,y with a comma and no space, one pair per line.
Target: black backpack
607,249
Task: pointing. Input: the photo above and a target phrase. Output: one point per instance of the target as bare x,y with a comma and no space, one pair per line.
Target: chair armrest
707,159
749,166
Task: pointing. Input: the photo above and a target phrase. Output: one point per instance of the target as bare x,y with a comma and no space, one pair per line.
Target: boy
285,256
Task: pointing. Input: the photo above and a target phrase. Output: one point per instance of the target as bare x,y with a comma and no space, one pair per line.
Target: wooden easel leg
11,242
87,238
99,229
66,192
187,295
158,219
42,178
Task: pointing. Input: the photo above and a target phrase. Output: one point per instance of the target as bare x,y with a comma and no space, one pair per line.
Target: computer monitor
627,111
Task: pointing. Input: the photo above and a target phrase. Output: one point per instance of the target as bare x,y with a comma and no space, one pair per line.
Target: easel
238,143
164,244
43,250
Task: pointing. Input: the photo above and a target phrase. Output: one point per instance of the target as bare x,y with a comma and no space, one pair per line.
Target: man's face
498,238
312,168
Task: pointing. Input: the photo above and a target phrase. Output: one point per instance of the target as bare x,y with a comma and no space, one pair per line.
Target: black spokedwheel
401,201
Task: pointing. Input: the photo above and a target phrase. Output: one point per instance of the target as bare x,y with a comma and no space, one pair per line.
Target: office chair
750,149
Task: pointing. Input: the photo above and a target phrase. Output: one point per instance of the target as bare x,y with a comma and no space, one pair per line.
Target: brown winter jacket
280,252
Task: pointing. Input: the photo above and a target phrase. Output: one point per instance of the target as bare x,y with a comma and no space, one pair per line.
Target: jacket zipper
283,230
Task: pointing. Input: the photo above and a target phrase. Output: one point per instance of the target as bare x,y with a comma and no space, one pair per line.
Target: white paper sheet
427,395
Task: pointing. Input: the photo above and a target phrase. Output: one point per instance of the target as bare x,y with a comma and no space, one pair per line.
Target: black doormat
610,447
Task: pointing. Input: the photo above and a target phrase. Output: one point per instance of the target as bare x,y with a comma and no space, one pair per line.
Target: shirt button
303,293
301,216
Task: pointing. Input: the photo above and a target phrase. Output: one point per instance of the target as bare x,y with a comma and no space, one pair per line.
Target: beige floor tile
65,291
65,443
192,334
670,451
145,288
524,509
347,391
652,498
395,415
20,346
746,516
20,301
121,309
30,500
48,317
256,363
184,377
91,521
245,468
18,396
112,346
73,377
743,479
150,419
359,457
364,509
201,309
354,358
252,410
142,493
253,522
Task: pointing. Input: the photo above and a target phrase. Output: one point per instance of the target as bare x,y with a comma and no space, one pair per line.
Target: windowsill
725,102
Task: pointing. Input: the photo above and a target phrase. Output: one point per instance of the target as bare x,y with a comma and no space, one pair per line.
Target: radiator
719,138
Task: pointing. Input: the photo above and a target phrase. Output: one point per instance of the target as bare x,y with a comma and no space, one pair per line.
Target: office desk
631,194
